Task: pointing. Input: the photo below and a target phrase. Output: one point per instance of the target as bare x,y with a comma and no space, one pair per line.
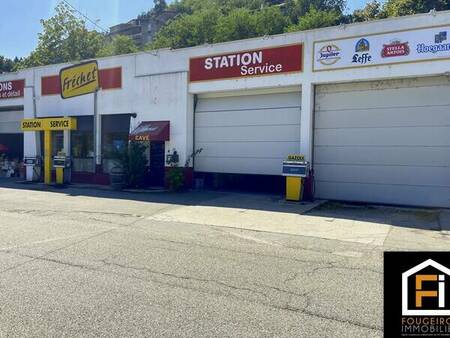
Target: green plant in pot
130,166
175,178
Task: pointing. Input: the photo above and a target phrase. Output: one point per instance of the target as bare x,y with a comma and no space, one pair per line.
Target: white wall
164,97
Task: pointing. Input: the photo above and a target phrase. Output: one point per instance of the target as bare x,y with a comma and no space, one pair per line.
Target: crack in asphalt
67,246
286,307
332,265
268,302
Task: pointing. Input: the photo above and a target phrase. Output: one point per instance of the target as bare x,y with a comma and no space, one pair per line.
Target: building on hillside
143,28
367,104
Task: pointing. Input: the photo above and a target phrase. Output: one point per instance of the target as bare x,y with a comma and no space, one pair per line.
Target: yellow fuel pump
61,163
296,170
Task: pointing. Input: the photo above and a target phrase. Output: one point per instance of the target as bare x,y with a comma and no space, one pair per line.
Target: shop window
115,133
57,142
82,143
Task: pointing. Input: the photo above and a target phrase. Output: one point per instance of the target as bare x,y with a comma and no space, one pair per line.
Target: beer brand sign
394,49
12,89
258,62
416,45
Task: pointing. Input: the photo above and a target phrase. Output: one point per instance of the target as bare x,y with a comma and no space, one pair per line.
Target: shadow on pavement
211,198
416,218
410,217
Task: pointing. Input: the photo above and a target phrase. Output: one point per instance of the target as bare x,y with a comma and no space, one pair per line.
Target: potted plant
175,178
130,166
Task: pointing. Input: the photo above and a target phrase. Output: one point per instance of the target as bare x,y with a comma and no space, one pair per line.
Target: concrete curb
444,220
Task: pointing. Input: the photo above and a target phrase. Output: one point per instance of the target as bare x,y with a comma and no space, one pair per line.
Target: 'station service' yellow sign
79,79
68,123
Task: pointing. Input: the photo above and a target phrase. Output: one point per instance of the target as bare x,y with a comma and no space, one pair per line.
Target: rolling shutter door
384,142
247,134
10,122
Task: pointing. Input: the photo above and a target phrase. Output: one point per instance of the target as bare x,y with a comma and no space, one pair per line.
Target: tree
372,10
187,30
239,24
297,9
159,6
408,7
117,46
315,18
64,38
270,21
7,65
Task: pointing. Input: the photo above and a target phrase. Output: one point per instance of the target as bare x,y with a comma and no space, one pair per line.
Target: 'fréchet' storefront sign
79,79
12,89
68,123
258,62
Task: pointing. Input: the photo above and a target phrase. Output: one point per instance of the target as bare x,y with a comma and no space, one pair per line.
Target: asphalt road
80,263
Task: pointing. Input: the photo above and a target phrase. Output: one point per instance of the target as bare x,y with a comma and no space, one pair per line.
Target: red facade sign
269,61
12,89
110,78
395,49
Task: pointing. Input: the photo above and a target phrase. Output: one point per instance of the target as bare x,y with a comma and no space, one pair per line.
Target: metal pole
47,157
97,135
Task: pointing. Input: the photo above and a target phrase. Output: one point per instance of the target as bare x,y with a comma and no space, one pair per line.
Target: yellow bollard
60,176
294,187
47,157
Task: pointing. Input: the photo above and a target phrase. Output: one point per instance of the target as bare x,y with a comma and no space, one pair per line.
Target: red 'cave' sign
256,62
12,89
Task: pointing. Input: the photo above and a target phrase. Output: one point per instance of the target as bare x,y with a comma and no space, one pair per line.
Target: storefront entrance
157,166
155,134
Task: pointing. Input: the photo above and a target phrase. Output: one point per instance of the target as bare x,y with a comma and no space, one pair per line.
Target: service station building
367,104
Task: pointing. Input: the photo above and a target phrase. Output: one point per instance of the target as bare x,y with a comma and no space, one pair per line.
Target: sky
20,22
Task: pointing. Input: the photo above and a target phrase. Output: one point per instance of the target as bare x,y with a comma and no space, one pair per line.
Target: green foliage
175,179
212,21
175,176
298,9
64,38
117,46
238,24
270,21
159,6
187,30
133,163
316,19
408,7
7,65
372,10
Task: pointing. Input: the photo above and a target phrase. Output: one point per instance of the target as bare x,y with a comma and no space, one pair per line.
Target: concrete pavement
78,263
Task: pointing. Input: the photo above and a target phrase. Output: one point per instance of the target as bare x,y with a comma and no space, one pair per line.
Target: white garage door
10,122
384,142
247,134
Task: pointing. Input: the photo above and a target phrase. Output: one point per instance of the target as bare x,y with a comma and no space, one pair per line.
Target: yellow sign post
79,79
47,125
